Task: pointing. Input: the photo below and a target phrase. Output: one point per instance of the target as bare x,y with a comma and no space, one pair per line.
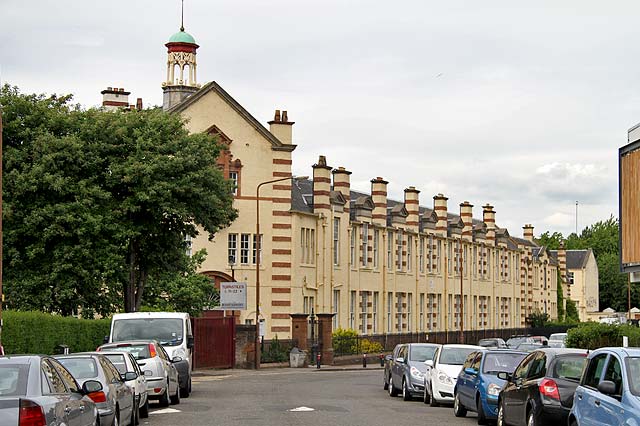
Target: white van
171,329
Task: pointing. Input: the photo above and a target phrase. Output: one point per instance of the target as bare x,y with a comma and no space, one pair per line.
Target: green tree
572,311
551,241
98,203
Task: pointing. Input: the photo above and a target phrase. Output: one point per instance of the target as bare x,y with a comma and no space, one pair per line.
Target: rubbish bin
297,358
61,350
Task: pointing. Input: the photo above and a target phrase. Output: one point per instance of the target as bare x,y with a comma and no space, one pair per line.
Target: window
376,248
66,377
430,251
498,312
365,311
189,245
456,302
375,312
409,251
233,176
352,313
436,320
353,247
613,373
475,306
244,248
336,309
232,248
399,240
421,318
389,249
365,244
570,278
430,314
523,368
475,261
594,371
409,312
389,312
255,250
450,258
308,245
517,268
538,367
56,385
399,311
450,316
421,255
308,305
336,241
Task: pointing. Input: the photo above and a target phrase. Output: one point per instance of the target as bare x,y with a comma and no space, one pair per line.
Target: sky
522,105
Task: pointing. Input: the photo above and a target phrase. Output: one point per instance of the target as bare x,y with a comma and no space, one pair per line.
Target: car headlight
444,378
179,352
417,374
493,389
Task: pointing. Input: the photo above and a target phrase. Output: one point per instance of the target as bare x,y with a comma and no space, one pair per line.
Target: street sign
233,296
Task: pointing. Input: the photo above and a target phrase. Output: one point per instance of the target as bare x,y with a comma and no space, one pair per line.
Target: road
266,398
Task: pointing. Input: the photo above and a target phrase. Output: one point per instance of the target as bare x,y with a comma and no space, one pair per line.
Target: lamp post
258,255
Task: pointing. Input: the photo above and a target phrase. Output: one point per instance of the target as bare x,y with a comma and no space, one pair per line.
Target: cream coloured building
381,265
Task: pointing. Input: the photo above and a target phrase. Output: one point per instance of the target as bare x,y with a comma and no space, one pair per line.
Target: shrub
593,335
345,341
277,352
40,333
369,347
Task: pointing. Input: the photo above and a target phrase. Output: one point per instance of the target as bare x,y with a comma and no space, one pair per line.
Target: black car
540,391
37,390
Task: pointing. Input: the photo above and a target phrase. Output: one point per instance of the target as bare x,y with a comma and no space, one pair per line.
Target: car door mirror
91,386
471,371
429,363
129,375
388,357
190,342
607,387
176,359
504,376
400,360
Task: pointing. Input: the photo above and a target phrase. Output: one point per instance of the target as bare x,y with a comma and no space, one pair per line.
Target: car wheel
433,402
135,412
164,399
116,418
392,390
458,408
531,418
426,398
573,422
144,410
385,382
482,418
500,421
175,399
184,392
406,394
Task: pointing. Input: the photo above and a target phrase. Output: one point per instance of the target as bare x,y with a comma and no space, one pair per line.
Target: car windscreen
455,356
569,367
561,336
633,373
80,368
422,353
13,379
488,343
118,362
495,363
139,351
515,341
167,331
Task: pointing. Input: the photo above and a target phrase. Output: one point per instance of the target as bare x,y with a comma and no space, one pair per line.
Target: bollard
381,360
364,360
318,361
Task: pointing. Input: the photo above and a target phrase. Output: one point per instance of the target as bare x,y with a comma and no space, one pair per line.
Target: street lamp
258,255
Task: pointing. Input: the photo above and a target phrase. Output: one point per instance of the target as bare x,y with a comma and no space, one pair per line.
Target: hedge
40,333
593,335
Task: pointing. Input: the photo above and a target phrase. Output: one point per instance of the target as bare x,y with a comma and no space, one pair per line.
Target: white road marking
209,378
165,411
301,409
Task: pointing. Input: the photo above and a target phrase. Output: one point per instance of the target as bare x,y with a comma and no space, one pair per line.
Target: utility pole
461,295
1,293
576,218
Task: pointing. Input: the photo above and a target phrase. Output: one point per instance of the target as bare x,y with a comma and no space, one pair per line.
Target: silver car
407,369
36,389
115,401
158,369
129,369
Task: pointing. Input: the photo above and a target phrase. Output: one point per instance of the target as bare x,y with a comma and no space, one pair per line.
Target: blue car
478,385
609,391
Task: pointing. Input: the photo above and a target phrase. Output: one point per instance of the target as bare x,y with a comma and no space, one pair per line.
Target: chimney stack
489,218
379,197
281,127
342,183
114,98
466,214
440,207
528,232
321,186
412,204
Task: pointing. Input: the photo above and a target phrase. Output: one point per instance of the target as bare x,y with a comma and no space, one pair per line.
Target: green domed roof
182,37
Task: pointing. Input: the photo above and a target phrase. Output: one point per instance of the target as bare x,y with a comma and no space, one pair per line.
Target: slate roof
577,259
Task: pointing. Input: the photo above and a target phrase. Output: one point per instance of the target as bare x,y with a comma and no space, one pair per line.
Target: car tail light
98,396
157,390
31,414
152,350
549,388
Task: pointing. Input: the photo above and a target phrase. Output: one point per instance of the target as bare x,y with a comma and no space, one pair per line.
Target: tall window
430,312
389,312
436,320
400,311
439,255
365,243
233,176
308,245
232,248
365,310
374,318
498,312
409,251
399,250
352,313
456,301
376,248
475,306
450,309
409,312
450,257
517,268
353,247
336,241
244,248
421,254
389,249
336,309
475,261
421,305
430,254
308,304
255,249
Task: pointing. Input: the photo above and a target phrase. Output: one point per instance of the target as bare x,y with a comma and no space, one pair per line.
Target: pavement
283,366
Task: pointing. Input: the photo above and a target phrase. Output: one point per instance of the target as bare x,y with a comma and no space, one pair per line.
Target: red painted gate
215,340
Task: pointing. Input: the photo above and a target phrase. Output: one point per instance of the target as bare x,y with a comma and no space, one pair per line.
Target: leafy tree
572,311
537,319
551,241
98,203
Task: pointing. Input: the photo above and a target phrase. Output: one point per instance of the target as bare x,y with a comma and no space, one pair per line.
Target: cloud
559,220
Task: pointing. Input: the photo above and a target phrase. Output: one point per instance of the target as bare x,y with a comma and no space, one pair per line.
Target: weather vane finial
182,18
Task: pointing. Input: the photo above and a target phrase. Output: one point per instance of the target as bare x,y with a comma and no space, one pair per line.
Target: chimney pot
322,160
139,104
109,88
285,119
277,116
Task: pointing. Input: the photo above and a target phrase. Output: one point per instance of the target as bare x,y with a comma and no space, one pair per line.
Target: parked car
171,329
514,341
115,401
609,392
494,342
529,347
442,372
540,391
38,390
158,369
557,340
478,385
406,369
541,340
126,365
